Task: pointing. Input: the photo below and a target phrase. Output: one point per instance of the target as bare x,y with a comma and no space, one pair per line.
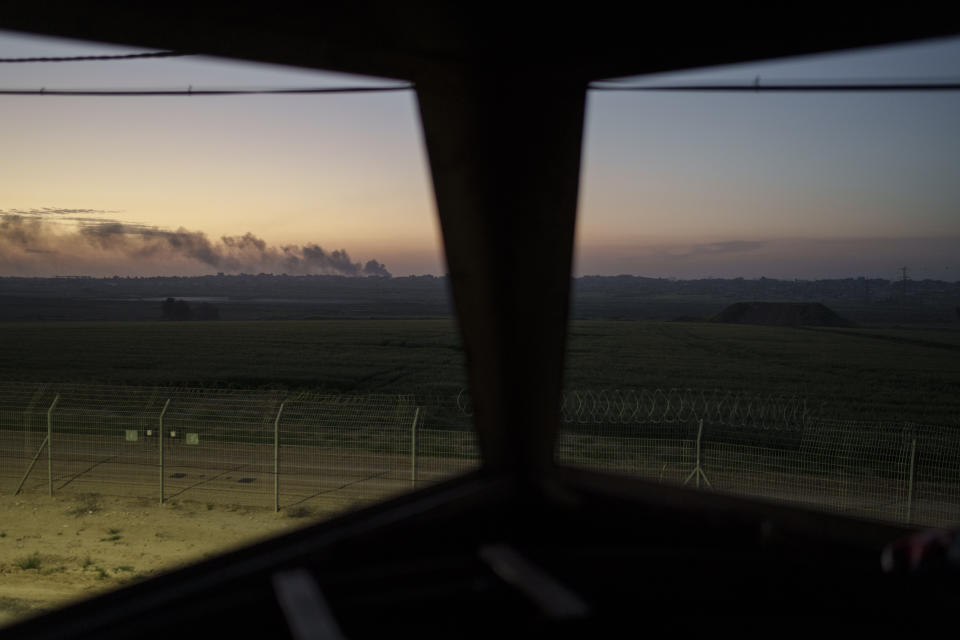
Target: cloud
97,243
18,231
53,211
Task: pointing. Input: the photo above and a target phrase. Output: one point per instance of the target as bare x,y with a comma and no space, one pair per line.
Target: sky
673,185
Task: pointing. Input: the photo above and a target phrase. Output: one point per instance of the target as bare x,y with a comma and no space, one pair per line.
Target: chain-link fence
236,447
899,472
277,449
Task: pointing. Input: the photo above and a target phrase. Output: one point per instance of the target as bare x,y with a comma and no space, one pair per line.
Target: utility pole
904,278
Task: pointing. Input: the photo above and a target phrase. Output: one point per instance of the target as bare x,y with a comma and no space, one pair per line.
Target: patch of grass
207,355
86,563
209,506
299,512
113,535
15,606
3,534
893,373
30,562
102,573
124,567
87,504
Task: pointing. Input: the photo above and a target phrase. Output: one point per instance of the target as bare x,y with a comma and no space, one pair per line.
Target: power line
198,92
120,56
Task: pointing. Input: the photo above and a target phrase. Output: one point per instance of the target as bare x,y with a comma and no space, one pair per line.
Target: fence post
913,454
699,437
413,449
160,434
50,443
697,469
276,459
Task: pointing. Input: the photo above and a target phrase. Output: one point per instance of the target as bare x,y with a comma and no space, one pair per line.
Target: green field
895,374
864,374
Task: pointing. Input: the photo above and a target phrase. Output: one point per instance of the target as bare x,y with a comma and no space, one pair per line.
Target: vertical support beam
913,456
413,450
166,405
36,456
25,416
698,468
699,437
504,148
50,443
276,459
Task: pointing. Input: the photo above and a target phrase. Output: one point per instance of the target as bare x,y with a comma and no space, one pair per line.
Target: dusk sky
674,185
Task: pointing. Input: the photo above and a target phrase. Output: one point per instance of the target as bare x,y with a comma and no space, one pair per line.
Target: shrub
30,562
299,512
87,503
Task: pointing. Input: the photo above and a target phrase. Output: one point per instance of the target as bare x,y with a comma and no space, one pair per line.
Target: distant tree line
180,310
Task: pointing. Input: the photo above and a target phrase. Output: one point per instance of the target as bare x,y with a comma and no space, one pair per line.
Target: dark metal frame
502,96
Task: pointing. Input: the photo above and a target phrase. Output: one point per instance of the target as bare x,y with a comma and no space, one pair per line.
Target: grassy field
891,373
59,549
339,355
896,374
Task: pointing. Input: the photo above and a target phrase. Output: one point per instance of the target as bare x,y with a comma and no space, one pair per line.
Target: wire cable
754,87
819,87
121,56
198,92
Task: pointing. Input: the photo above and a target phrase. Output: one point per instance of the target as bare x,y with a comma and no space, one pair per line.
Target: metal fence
899,472
226,446
276,449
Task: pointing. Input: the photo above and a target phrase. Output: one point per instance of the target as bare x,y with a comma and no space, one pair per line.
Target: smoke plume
28,243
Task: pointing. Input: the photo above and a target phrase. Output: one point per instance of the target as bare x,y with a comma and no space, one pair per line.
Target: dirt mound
782,314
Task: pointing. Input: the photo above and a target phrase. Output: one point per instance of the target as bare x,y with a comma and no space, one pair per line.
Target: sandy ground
60,549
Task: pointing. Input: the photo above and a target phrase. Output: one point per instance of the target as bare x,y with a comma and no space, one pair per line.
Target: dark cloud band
31,233
52,211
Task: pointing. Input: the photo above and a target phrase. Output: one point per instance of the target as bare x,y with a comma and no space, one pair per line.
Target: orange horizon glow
671,185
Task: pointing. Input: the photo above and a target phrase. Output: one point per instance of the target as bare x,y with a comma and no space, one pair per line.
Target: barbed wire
633,406
577,407
18,395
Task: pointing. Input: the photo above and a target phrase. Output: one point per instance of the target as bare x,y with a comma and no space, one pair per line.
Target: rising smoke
26,237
